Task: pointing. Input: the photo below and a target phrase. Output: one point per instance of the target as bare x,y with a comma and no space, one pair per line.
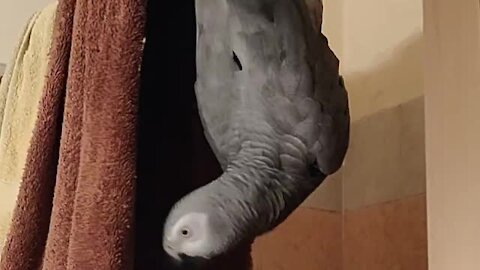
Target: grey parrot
275,112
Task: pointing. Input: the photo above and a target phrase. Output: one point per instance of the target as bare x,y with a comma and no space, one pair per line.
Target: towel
75,208
20,94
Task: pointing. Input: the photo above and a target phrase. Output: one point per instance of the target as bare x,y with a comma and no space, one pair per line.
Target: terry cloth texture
75,206
20,93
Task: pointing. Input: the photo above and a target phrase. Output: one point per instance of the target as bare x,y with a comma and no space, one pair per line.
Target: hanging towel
20,93
75,207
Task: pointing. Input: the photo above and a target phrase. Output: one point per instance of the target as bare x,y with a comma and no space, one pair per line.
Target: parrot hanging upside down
275,112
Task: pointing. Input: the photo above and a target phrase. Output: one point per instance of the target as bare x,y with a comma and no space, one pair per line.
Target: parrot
275,112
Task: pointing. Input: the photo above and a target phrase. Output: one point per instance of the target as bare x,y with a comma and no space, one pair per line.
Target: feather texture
274,110
288,84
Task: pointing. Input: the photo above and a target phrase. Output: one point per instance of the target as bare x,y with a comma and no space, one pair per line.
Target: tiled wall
386,236
386,158
384,191
379,223
310,239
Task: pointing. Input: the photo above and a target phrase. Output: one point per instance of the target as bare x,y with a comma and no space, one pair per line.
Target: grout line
370,205
339,211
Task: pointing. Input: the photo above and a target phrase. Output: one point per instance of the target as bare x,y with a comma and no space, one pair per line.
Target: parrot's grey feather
288,85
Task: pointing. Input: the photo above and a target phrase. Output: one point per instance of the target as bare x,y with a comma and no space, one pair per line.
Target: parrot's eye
185,232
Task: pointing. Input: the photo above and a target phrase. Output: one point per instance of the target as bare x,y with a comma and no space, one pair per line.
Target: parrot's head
189,235
198,228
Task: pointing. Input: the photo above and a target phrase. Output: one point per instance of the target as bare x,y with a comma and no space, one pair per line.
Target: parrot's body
275,112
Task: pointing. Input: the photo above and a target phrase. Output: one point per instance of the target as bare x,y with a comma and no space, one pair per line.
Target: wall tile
309,240
328,195
388,236
386,158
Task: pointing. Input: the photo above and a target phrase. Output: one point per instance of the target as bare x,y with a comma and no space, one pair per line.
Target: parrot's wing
214,85
330,93
263,71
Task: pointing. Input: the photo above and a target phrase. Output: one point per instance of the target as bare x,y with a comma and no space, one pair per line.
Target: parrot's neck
263,195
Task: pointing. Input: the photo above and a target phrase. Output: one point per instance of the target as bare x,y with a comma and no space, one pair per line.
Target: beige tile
309,240
386,158
388,236
2,70
383,67
328,195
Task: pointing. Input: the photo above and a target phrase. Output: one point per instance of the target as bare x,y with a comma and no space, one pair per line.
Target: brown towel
88,176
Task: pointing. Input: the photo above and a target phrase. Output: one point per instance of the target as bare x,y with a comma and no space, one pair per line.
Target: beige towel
20,92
